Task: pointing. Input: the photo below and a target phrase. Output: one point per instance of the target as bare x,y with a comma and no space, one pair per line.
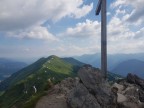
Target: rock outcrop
57,95
134,79
130,93
80,97
92,92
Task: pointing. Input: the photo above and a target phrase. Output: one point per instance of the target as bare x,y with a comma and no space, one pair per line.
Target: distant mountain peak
130,66
53,56
38,75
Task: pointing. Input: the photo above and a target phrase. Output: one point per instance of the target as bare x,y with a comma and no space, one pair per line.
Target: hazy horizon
30,60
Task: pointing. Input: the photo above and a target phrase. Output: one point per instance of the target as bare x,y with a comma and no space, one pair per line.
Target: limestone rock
93,80
93,89
90,90
90,77
119,86
134,79
132,96
121,98
80,97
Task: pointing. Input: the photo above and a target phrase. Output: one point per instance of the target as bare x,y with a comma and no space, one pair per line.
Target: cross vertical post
102,7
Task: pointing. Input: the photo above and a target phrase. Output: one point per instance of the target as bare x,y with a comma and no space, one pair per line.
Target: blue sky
33,29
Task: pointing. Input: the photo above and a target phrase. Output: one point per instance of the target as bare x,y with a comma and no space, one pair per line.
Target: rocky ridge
130,92
90,90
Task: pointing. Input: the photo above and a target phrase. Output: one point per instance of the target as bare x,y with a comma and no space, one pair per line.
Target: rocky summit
90,90
131,92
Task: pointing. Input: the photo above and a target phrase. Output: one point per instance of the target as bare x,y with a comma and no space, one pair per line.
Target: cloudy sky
36,28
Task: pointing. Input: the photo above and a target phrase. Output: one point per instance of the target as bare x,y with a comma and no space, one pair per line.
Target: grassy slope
36,75
22,74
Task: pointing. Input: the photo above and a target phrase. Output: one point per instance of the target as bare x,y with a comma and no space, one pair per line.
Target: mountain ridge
113,59
33,67
26,86
133,66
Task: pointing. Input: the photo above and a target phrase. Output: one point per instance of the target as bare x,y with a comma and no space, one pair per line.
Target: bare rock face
134,79
56,96
81,98
119,86
90,77
130,93
92,92
87,91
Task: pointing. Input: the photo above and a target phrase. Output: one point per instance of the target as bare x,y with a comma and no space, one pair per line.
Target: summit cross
101,6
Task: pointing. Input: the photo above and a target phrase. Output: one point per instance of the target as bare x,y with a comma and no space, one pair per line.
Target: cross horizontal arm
98,7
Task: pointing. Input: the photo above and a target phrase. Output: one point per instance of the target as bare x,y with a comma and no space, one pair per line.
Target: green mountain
24,87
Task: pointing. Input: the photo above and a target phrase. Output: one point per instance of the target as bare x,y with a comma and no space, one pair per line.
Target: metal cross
101,6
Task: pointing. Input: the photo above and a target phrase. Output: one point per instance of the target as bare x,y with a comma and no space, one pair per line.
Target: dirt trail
52,101
56,96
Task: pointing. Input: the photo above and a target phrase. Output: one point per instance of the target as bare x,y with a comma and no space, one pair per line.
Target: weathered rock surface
132,94
134,79
121,98
56,97
119,86
52,101
94,88
80,97
90,90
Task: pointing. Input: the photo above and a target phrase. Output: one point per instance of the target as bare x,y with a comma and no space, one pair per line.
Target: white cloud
117,30
117,3
125,29
118,11
83,11
19,14
120,37
36,32
84,37
23,19
83,30
71,50
140,34
126,46
135,7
